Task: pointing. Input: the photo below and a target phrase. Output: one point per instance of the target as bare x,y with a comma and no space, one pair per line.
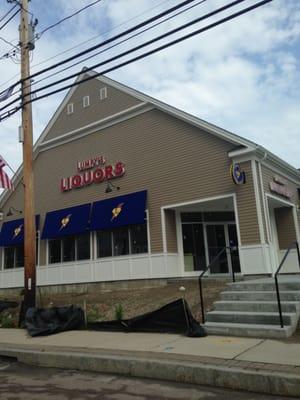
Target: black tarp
174,317
4,305
41,322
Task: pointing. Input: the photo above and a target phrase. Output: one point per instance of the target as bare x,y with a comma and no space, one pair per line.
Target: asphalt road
19,381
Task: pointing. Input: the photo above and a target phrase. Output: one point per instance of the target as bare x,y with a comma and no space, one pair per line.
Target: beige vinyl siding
115,102
285,226
175,161
261,201
247,210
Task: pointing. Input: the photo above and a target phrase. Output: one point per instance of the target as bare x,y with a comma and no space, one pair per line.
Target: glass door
193,247
234,254
216,241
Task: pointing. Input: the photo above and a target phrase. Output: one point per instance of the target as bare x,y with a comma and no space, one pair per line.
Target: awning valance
12,232
67,221
119,211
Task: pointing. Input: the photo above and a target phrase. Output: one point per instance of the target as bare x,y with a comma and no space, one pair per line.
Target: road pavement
22,382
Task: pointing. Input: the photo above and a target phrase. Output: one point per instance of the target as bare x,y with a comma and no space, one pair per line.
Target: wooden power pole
29,217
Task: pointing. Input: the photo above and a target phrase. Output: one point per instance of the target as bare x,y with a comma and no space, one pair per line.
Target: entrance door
216,241
218,236
193,247
234,254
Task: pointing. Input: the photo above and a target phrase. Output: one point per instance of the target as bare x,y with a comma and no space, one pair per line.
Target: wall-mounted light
1,215
110,186
12,211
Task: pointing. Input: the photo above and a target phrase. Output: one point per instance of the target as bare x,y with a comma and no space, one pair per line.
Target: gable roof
241,145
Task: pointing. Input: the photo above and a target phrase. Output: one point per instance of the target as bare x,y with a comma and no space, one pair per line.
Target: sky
243,76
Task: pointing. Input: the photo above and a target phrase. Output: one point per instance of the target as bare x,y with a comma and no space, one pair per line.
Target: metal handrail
206,269
292,245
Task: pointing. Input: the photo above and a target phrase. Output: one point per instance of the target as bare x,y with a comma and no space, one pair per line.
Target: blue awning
67,221
12,232
119,211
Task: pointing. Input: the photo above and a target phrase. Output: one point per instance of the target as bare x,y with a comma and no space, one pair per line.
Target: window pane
138,237
54,251
83,247
121,241
19,256
68,248
104,244
9,257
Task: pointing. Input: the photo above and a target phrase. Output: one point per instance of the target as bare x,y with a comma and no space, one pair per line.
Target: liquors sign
91,171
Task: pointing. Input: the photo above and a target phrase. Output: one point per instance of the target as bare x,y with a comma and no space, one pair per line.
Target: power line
118,36
123,41
12,17
66,18
145,44
8,12
124,33
84,42
141,56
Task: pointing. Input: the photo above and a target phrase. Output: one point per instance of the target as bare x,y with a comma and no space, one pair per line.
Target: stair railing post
278,301
201,299
298,253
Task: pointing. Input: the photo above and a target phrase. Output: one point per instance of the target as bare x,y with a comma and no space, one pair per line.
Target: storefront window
9,257
121,241
54,251
138,239
13,257
83,247
19,260
104,244
70,248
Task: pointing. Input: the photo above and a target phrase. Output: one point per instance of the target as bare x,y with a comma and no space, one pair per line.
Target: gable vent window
103,93
86,101
70,108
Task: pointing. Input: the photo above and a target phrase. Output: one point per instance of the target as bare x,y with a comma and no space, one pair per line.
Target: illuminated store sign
278,186
92,171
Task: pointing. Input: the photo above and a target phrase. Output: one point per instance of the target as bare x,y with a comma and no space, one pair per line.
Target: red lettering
64,184
77,181
119,169
109,172
98,175
87,178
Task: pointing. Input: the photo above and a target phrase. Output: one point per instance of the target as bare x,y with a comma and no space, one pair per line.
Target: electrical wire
12,17
8,12
118,36
132,29
145,44
84,42
141,56
38,35
123,41
7,42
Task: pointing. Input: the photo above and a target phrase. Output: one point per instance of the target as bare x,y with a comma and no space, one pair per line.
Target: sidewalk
261,365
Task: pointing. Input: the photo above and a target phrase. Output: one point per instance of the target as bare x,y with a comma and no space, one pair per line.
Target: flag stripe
5,182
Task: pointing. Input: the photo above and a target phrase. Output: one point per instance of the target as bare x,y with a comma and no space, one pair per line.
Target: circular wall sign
238,176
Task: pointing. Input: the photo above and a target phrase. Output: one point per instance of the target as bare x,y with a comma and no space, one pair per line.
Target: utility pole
29,217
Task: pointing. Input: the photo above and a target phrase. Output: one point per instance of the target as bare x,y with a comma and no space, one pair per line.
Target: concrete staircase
249,308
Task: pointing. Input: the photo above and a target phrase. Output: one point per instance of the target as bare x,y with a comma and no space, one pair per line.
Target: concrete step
263,286
246,317
248,330
260,295
257,306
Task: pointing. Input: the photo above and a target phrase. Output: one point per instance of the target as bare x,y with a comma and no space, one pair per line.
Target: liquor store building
130,188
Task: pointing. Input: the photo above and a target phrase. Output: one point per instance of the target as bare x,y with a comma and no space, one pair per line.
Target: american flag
5,181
